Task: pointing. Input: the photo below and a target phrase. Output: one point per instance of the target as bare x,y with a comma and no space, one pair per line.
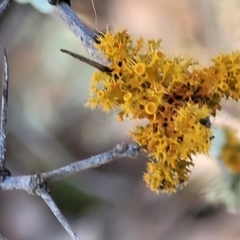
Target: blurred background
49,126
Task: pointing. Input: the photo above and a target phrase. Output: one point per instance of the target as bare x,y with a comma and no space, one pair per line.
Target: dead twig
3,124
4,5
30,183
120,151
86,36
2,237
57,213
37,184
4,111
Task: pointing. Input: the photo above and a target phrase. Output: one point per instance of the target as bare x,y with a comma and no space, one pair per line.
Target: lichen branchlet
174,94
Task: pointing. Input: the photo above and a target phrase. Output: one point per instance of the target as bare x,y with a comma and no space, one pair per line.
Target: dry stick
86,36
36,184
57,213
4,108
120,151
4,5
30,183
27,183
2,237
33,184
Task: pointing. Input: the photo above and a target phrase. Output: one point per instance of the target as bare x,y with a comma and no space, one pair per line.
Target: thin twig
86,36
2,237
4,5
90,62
57,213
4,111
30,183
120,151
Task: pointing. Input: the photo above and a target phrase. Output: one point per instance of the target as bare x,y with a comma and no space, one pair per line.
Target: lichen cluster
174,94
230,152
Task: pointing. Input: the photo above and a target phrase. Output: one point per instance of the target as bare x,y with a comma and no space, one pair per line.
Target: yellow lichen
127,96
151,108
230,152
140,68
174,94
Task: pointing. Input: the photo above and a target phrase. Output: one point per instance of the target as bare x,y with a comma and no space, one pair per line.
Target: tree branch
4,5
57,213
86,36
3,123
37,184
120,151
4,111
2,237
30,183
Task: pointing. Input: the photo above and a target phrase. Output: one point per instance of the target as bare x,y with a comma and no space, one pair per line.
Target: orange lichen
174,94
150,108
230,152
140,68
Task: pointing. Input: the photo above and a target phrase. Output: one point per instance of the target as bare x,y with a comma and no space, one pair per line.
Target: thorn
88,61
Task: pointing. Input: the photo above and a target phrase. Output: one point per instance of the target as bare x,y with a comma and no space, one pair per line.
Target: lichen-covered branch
173,94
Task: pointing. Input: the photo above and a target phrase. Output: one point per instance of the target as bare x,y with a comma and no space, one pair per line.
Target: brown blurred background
50,127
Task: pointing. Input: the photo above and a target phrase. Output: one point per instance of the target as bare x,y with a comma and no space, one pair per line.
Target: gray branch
86,36
4,5
57,213
25,183
37,184
120,151
2,237
4,110
30,183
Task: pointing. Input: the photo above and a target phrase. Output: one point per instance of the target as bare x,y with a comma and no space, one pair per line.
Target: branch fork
37,184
